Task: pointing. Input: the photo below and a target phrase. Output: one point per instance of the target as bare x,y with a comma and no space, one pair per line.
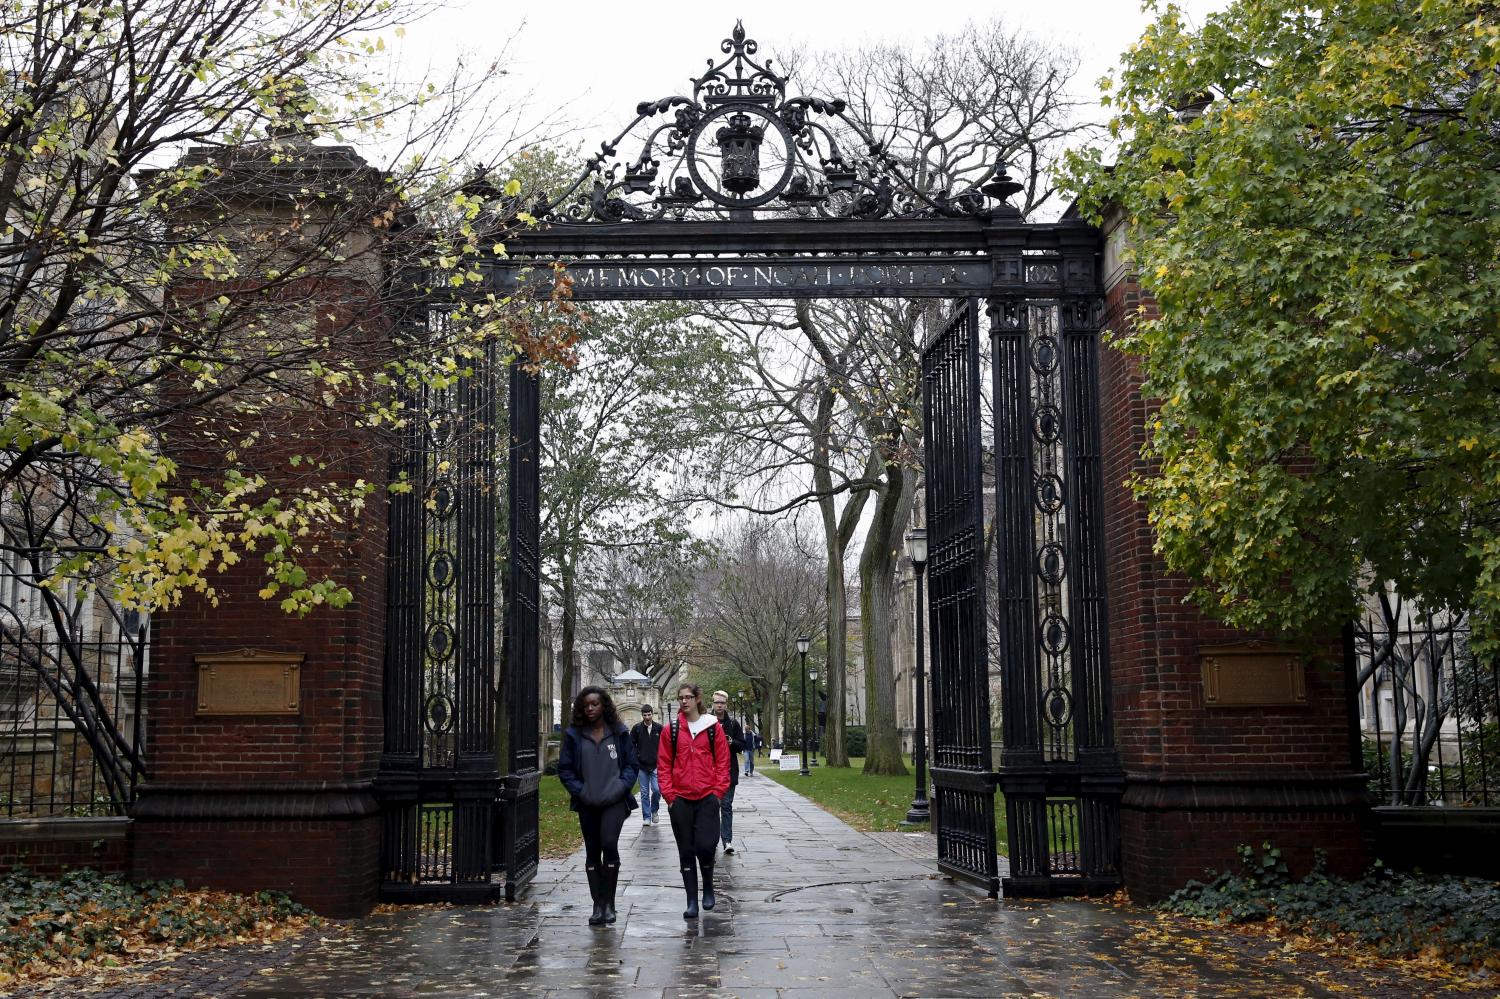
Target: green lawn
559,827
870,803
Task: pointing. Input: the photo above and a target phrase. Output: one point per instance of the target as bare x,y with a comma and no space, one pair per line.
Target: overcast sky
597,60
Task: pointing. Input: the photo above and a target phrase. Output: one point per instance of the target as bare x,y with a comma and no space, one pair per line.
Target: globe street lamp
802,644
812,676
916,549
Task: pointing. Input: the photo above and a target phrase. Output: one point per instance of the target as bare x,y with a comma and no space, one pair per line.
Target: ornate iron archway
739,191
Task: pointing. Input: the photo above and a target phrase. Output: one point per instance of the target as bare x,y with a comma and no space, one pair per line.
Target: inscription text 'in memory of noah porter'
952,277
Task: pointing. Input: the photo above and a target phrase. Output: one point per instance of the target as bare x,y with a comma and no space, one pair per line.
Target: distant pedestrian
736,737
752,743
598,767
646,735
693,767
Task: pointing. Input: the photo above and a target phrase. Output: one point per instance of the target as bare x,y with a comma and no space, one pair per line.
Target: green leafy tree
627,422
165,242
1312,195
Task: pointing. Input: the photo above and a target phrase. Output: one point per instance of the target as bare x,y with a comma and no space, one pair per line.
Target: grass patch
560,834
84,921
867,802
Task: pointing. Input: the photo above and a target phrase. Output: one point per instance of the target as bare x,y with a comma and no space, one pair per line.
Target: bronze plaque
1252,674
249,682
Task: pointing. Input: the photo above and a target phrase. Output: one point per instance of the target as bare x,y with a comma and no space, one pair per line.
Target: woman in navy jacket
597,764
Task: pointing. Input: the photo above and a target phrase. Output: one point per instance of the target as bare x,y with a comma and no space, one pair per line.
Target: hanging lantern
739,147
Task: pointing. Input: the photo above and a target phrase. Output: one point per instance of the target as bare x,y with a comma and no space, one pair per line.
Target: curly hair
611,717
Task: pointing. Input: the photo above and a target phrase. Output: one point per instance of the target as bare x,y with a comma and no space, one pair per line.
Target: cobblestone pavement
809,909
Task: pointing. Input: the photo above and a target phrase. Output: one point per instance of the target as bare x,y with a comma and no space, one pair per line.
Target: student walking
646,736
752,746
736,739
693,767
598,767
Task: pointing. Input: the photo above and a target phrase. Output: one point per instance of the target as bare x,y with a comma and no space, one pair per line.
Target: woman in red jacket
692,765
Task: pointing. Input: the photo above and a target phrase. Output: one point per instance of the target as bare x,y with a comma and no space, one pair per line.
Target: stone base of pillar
1178,829
318,842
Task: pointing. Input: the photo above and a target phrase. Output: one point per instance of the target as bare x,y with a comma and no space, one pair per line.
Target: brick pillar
263,800
1204,778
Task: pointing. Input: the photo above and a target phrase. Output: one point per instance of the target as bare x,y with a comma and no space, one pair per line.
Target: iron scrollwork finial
738,147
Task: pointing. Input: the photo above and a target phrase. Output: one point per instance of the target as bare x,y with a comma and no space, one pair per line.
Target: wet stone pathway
809,907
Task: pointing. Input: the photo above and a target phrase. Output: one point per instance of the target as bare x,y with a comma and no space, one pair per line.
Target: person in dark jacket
597,765
693,764
646,735
736,738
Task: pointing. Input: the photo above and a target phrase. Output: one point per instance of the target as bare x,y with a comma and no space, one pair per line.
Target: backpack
711,730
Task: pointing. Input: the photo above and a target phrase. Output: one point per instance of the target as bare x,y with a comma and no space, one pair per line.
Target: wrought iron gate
695,214
1059,771
962,773
438,780
520,843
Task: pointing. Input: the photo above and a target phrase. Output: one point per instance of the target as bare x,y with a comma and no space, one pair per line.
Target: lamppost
812,676
916,549
802,645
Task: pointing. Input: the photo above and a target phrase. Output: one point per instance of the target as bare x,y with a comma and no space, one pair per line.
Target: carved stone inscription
249,682
1252,674
773,278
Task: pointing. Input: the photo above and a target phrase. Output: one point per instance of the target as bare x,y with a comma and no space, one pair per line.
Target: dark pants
726,816
601,833
695,825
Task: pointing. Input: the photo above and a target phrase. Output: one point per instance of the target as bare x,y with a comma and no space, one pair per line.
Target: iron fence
71,726
1429,710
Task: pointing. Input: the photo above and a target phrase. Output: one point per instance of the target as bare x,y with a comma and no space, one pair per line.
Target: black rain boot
596,892
611,883
690,883
708,885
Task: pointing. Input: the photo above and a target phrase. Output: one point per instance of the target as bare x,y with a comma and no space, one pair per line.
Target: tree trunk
877,575
835,542
768,715
836,755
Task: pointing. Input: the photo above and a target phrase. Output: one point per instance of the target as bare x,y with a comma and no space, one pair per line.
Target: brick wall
51,846
1202,780
278,801
329,865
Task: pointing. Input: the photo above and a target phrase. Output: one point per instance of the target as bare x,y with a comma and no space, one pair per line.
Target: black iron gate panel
964,802
1059,770
438,780
519,803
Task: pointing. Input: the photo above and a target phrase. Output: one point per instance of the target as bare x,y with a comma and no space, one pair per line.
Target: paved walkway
809,909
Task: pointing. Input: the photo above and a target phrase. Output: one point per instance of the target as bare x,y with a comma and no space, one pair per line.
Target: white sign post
791,762
775,755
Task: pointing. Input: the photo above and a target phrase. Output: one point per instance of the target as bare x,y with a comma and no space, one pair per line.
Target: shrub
1401,915
855,742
